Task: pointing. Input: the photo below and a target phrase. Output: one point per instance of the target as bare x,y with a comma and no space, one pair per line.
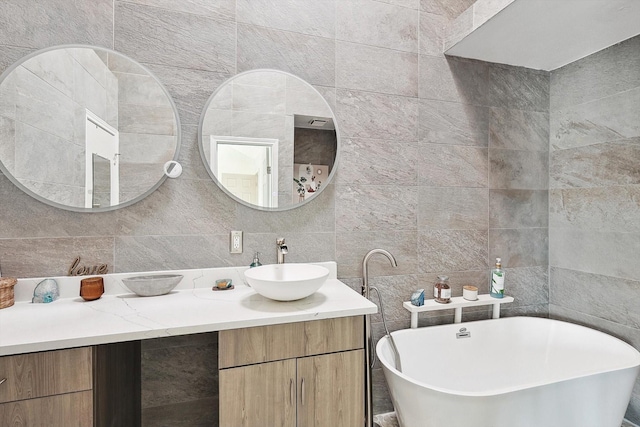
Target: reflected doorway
247,168
102,163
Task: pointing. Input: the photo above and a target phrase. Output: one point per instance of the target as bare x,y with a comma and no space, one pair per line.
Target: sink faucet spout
282,249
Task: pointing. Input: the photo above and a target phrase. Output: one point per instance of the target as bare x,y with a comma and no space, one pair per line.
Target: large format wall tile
518,208
309,57
394,290
219,9
431,33
515,169
519,88
377,162
452,79
376,207
58,22
452,250
377,24
192,371
452,166
528,285
606,297
526,247
317,216
409,4
449,9
457,29
603,120
373,115
453,208
159,36
603,209
150,253
519,130
192,165
443,122
305,246
607,253
171,210
49,111
351,247
45,257
599,165
32,141
605,73
376,69
302,16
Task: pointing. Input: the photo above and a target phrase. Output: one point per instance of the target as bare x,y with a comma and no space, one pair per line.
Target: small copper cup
91,288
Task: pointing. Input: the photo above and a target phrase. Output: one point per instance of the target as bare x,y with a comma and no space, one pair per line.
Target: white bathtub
512,372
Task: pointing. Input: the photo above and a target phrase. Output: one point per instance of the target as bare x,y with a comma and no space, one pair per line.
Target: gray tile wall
594,208
444,160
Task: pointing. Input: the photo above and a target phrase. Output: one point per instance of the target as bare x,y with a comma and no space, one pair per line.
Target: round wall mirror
269,140
85,128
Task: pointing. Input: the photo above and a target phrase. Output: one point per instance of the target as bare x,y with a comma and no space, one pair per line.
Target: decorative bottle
442,290
496,284
256,260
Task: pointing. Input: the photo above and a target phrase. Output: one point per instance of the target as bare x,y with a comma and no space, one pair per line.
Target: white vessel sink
286,282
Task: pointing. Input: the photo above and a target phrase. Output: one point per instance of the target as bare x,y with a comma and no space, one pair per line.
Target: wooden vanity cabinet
52,388
307,374
79,387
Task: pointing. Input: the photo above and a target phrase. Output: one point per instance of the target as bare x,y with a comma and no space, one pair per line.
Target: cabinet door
259,395
331,390
65,410
43,374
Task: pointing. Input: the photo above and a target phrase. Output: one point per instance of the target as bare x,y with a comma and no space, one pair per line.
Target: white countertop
191,308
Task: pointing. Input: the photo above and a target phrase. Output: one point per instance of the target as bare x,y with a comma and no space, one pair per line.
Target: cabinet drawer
260,344
44,374
65,410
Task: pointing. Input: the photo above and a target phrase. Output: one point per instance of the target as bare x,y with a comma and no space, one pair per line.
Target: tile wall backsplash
448,163
594,203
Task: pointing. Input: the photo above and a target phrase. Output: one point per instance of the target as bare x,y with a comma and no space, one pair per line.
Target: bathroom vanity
76,363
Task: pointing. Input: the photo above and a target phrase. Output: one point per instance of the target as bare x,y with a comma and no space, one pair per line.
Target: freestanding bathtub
511,372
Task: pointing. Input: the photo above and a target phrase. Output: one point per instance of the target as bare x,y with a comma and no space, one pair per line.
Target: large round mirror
85,128
269,139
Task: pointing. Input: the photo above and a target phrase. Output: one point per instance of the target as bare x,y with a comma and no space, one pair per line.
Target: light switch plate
235,245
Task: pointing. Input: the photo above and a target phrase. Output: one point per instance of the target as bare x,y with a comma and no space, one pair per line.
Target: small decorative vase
91,288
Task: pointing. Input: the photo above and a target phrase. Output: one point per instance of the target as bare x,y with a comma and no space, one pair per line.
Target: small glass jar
442,290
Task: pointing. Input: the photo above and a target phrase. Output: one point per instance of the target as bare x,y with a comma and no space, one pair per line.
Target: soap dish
223,285
215,288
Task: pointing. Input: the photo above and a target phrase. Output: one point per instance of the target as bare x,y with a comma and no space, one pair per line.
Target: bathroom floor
389,420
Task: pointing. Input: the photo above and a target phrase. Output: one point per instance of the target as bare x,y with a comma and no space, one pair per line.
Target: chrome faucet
282,249
367,331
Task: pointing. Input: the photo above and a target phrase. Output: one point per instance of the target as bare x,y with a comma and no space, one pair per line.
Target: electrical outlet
235,246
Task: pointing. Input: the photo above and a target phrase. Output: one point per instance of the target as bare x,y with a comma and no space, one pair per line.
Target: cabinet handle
302,388
2,380
291,391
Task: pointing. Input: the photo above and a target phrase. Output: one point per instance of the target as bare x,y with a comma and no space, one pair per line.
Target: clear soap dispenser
256,260
496,285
